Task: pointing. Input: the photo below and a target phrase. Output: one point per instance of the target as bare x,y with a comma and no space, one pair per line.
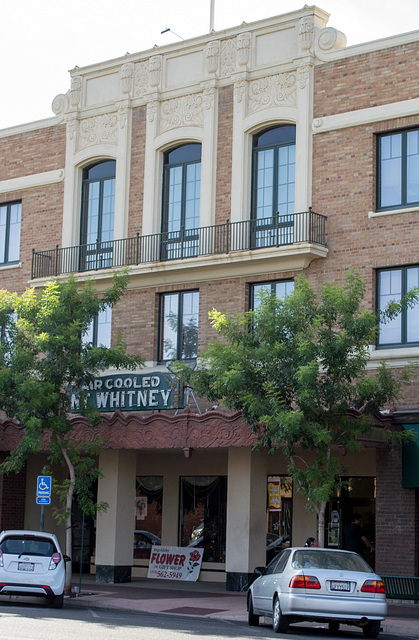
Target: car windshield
332,560
30,545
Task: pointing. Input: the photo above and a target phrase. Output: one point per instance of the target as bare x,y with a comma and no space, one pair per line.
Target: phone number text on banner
175,563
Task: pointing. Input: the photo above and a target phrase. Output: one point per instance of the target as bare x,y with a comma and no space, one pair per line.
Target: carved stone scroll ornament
212,54
127,74
154,69
60,104
228,57
141,74
208,96
239,90
305,33
243,48
303,75
272,91
75,91
182,112
152,110
98,130
329,39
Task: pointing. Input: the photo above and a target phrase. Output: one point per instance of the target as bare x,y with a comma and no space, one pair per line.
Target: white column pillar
115,527
246,516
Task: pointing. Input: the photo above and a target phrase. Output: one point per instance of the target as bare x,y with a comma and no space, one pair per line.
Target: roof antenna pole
212,4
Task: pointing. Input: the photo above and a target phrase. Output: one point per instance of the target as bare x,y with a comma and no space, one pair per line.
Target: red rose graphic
194,556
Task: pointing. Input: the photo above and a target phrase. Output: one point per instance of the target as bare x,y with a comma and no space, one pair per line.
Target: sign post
43,495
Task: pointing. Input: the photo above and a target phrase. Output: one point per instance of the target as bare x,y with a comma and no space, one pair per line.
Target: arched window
97,218
181,201
273,192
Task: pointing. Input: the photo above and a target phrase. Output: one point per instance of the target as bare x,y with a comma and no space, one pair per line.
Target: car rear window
332,560
30,545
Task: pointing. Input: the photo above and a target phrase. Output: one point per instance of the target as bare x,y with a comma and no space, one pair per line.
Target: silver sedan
313,584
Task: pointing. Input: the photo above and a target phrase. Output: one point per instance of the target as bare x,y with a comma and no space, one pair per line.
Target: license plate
26,566
337,585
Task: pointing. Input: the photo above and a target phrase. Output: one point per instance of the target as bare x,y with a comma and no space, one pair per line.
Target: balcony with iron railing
228,238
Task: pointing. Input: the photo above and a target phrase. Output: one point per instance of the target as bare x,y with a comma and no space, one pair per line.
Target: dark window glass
398,169
148,514
181,202
203,511
99,331
393,284
280,288
97,219
10,220
179,325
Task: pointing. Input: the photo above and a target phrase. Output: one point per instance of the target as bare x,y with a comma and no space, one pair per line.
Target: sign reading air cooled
148,392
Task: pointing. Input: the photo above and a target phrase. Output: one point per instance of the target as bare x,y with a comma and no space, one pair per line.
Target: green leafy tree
43,360
296,367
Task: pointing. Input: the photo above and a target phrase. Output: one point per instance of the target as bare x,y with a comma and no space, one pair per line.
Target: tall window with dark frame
398,169
179,326
393,284
280,288
100,329
10,220
97,219
181,202
273,192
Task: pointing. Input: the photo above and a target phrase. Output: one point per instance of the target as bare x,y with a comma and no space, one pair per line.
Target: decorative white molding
185,111
228,57
303,75
75,91
402,109
394,358
154,69
127,74
272,91
240,90
98,130
141,79
305,33
29,182
243,48
392,212
212,55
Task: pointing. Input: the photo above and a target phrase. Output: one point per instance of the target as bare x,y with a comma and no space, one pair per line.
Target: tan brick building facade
192,134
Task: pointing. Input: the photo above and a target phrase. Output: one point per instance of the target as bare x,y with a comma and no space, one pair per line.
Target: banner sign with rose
175,563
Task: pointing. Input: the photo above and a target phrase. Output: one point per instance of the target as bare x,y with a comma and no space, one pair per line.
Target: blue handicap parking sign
43,490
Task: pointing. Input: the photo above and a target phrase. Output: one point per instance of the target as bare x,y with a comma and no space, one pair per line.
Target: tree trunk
68,524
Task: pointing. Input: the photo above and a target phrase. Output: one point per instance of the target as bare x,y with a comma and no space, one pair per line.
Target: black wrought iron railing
229,237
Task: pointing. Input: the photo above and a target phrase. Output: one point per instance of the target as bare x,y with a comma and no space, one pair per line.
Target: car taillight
304,582
1,558
373,586
55,559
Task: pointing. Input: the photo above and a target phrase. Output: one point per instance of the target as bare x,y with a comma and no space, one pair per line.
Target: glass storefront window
278,515
148,514
203,508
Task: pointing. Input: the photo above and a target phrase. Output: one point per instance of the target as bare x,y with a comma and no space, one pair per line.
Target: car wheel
280,623
334,626
372,629
57,601
252,617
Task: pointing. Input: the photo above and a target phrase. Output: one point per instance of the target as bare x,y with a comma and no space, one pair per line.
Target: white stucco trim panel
359,117
34,180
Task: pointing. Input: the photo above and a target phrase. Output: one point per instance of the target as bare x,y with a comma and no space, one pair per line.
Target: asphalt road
38,622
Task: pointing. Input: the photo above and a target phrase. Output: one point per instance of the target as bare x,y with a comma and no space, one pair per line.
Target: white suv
31,564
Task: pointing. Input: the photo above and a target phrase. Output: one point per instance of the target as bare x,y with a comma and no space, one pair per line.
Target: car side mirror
259,571
66,558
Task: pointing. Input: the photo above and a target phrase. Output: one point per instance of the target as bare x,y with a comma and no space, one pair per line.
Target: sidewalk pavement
208,600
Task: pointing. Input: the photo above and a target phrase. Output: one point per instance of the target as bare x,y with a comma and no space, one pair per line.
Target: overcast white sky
41,41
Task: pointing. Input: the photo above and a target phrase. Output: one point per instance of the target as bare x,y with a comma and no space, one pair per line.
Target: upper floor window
181,201
99,331
273,192
179,325
280,289
398,169
393,284
10,219
97,218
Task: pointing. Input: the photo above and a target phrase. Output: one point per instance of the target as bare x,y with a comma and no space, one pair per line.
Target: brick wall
366,81
136,194
397,533
224,155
